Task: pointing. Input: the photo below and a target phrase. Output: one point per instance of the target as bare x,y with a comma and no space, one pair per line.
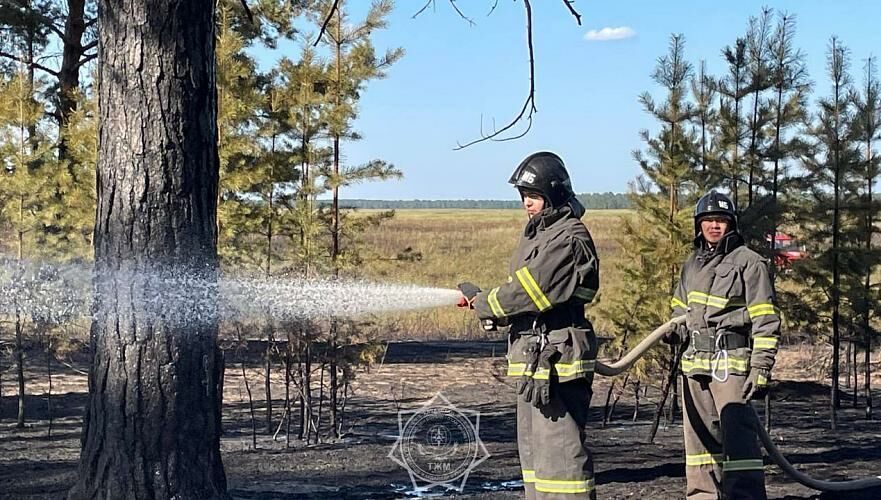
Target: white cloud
609,33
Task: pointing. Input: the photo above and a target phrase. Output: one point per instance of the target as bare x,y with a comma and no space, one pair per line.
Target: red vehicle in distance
786,249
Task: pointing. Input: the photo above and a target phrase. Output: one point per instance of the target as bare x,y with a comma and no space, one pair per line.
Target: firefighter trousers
552,443
722,454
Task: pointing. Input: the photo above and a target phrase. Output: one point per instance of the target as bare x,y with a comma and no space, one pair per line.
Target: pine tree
831,179
705,125
789,102
26,158
732,89
757,63
866,131
659,233
38,28
353,63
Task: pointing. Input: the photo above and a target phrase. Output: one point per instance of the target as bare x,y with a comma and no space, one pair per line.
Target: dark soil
468,374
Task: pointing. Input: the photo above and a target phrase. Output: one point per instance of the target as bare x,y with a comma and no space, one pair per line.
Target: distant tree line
592,201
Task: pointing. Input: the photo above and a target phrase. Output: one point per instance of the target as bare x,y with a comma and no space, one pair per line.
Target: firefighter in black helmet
732,328
551,346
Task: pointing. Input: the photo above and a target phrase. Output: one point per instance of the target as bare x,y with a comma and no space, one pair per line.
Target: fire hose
612,369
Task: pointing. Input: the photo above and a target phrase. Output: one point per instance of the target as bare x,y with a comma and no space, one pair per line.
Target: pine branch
528,108
31,64
86,58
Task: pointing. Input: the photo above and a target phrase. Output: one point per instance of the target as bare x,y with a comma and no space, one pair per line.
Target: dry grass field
465,245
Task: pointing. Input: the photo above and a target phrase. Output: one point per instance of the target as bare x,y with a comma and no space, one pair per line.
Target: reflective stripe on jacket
728,291
554,271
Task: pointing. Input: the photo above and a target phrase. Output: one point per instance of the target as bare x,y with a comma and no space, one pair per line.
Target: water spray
58,292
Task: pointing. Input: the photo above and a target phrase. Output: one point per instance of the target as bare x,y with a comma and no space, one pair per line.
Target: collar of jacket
548,216
728,243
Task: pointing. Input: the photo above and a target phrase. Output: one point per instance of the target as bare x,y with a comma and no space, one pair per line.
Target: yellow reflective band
703,459
739,465
517,369
713,300
494,304
761,380
764,342
558,486
566,369
580,366
757,310
528,283
528,476
689,365
674,303
583,293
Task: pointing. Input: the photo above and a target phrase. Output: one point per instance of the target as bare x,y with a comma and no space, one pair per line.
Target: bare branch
89,46
25,62
493,8
461,14
528,108
573,11
420,11
327,19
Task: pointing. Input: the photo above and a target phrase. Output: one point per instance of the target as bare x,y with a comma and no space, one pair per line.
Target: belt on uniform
555,319
712,341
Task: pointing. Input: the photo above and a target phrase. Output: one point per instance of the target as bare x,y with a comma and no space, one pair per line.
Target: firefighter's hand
756,384
469,293
541,396
676,334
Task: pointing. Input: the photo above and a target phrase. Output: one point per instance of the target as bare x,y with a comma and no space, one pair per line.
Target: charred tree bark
675,354
152,423
19,368
267,380
220,379
250,407
868,368
49,392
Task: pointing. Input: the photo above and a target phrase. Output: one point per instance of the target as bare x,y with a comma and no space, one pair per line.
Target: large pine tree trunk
152,424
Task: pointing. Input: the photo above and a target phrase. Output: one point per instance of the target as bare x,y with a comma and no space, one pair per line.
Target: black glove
677,335
526,386
756,384
541,396
469,292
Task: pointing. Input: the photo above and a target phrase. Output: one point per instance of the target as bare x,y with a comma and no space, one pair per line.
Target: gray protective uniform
733,327
553,274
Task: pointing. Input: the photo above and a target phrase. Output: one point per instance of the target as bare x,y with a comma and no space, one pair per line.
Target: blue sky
587,91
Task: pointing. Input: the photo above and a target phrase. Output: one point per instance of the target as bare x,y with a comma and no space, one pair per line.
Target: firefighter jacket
731,315
553,274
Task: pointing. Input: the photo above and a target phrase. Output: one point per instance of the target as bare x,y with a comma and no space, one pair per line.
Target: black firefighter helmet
714,203
544,172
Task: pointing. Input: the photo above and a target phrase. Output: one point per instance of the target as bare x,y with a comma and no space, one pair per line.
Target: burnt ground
467,374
